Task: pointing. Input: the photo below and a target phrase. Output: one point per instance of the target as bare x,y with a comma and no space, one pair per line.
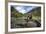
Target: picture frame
35,29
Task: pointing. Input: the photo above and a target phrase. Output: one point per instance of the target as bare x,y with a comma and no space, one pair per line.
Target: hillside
36,13
15,13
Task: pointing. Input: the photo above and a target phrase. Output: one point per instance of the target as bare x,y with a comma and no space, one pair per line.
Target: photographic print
25,17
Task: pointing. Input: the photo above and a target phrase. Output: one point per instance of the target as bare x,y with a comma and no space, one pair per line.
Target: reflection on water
21,23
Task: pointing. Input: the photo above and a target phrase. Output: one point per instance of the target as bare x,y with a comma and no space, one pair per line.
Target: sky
24,9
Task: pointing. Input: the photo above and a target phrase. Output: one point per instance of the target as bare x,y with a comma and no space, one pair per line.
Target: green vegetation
36,13
15,13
